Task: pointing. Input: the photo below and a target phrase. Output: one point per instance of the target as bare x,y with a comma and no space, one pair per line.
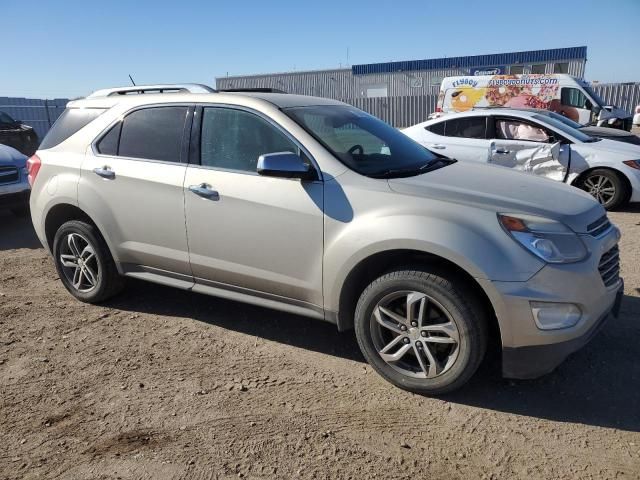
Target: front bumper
528,351
535,361
15,197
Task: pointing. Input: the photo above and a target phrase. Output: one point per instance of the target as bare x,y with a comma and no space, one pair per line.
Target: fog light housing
553,316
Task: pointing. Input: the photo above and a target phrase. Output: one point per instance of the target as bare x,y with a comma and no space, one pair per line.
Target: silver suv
311,206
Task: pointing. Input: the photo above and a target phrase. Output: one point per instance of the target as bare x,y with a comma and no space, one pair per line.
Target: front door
528,147
246,231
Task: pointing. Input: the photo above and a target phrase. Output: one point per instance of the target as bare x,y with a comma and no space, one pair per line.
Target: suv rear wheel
84,262
420,331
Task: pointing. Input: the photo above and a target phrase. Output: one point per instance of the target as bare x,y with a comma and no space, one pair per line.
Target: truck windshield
362,142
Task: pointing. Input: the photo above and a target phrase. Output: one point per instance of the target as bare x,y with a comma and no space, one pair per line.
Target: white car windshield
564,128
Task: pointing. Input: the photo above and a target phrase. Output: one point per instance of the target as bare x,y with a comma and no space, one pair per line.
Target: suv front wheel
421,331
84,263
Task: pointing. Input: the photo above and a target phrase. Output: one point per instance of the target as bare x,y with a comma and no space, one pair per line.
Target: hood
605,132
10,157
501,189
611,147
611,111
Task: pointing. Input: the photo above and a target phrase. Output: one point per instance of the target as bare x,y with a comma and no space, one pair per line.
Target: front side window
361,141
234,139
572,97
516,130
469,127
153,134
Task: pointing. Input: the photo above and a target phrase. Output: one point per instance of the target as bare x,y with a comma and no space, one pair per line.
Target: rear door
131,183
465,138
250,233
527,146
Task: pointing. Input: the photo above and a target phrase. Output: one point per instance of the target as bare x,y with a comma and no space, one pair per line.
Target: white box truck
564,94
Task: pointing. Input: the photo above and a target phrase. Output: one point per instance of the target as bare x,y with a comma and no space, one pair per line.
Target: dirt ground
161,383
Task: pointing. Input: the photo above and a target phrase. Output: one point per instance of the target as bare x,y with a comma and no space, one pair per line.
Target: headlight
547,239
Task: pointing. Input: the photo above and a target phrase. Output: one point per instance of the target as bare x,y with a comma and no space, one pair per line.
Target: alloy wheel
79,262
414,334
601,188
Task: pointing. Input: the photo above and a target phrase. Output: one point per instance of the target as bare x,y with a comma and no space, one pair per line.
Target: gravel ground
160,383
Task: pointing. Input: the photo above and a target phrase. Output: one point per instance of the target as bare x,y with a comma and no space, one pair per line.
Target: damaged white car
539,144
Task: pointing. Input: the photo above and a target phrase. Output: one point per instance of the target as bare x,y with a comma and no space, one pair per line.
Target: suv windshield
362,142
564,128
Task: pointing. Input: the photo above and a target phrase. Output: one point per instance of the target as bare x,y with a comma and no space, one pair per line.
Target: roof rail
161,88
255,90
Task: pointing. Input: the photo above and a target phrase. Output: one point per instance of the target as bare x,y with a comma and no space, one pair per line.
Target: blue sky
69,48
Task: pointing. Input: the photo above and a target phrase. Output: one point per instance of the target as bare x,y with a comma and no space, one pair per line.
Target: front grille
609,266
9,175
599,226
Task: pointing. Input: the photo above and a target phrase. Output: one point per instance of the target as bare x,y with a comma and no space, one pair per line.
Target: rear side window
71,120
437,128
573,97
152,133
470,127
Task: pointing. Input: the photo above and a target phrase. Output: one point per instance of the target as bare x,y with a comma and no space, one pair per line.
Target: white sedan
539,144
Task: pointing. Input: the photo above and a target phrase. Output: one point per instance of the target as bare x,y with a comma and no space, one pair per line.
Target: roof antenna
131,78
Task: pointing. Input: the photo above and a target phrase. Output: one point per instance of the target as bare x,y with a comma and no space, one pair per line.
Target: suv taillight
33,167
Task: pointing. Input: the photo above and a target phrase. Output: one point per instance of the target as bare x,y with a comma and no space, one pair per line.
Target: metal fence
623,95
399,111
38,113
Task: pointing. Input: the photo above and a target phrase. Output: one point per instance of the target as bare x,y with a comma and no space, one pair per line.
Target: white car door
528,147
464,138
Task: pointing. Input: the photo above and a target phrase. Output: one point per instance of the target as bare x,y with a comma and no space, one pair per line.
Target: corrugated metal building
410,78
38,113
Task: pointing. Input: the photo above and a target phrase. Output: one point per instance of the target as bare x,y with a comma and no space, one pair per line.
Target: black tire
20,212
621,194
107,280
461,305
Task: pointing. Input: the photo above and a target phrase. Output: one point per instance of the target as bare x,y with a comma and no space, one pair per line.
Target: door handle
437,146
205,191
502,151
105,172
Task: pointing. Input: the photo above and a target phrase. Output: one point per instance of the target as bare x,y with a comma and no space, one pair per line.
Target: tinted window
538,68
516,69
71,120
234,139
573,97
4,118
470,127
108,145
437,128
153,133
561,68
361,141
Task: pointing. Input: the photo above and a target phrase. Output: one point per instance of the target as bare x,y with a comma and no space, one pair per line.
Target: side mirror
285,165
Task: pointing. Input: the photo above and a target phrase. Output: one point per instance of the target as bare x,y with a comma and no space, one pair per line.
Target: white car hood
612,147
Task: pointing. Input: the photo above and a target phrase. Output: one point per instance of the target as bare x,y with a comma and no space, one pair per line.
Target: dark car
598,132
14,184
16,134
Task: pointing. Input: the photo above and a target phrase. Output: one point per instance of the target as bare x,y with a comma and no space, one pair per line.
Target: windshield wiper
413,171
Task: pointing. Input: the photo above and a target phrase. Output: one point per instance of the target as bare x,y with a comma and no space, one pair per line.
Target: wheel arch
580,178
62,213
375,265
